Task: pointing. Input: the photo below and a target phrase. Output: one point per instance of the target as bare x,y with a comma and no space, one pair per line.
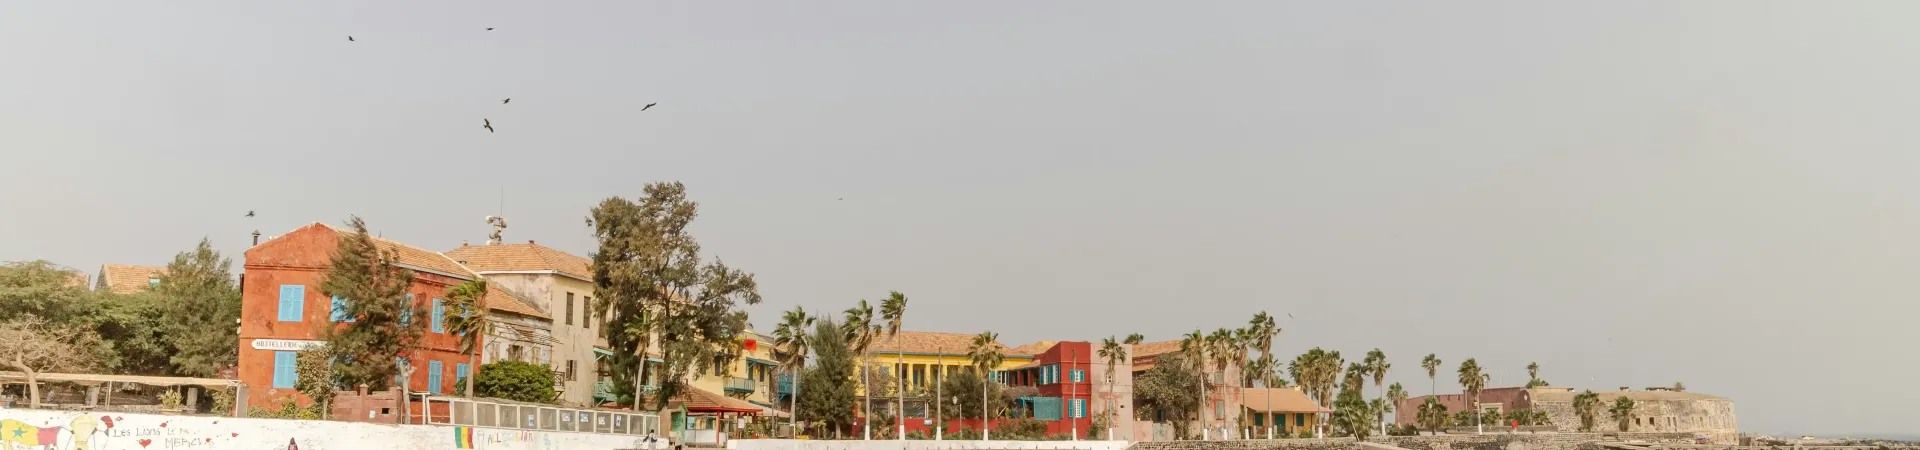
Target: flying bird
349,38
589,220
487,124
249,213
1289,315
503,102
649,105
489,28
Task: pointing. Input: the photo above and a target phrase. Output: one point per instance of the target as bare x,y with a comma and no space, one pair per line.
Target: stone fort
1655,410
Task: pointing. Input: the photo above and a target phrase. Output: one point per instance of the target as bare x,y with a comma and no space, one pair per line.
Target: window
569,308
400,366
586,314
571,366
283,374
460,374
340,310
292,300
1299,419
1219,408
1077,408
433,376
1079,376
516,353
439,316
153,281
406,314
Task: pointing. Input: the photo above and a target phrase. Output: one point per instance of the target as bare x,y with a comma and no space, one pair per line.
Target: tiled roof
1283,400
1606,397
699,400
417,257
931,343
1146,349
500,300
521,257
1032,349
127,279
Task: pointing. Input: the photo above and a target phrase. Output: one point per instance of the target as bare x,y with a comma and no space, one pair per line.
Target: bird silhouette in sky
489,28
503,102
349,38
487,124
649,105
249,213
1289,315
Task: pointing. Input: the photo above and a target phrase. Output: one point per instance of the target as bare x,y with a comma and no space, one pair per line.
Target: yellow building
1287,411
752,377
923,357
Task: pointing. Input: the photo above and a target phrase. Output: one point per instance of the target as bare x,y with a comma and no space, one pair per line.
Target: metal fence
520,416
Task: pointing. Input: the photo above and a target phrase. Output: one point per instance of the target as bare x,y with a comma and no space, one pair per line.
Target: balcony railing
785,385
737,384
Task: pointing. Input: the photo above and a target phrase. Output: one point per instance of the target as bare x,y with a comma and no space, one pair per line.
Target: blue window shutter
439,316
340,310
406,313
433,376
292,301
399,365
459,375
283,374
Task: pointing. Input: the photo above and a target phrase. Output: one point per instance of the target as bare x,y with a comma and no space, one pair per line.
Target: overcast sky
1629,193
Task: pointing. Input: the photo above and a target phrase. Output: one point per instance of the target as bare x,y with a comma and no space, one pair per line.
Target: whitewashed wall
70,430
792,444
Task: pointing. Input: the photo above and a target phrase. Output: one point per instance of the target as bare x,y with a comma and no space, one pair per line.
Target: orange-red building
283,310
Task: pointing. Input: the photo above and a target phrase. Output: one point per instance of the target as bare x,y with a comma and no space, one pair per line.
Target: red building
1063,375
283,310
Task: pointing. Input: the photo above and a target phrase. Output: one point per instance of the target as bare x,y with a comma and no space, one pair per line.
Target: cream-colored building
561,286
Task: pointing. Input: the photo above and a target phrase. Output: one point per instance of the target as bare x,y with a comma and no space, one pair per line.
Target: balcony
737,384
784,385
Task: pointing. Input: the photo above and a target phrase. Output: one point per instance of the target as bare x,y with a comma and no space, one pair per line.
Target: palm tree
1533,370
893,309
1432,415
1377,366
860,331
1194,348
1472,381
1220,348
1622,412
1263,329
986,356
470,322
1395,395
1587,406
1113,353
791,335
1432,364
1135,339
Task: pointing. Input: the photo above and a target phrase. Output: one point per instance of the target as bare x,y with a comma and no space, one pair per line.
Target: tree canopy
515,380
374,292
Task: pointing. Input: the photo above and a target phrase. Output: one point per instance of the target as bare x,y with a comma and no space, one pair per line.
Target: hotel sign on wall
286,344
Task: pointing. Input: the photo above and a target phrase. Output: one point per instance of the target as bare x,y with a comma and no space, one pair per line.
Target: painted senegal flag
462,437
23,435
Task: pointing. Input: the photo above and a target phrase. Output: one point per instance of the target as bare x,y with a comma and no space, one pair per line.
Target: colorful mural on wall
22,429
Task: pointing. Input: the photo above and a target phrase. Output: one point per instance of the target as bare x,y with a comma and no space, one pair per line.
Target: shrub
515,380
170,400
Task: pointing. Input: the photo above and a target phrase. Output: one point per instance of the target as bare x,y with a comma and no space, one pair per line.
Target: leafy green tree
137,331
374,292
1533,376
467,318
31,345
826,395
1622,412
315,377
204,305
1135,339
39,289
957,394
1353,416
1395,395
649,275
515,380
1587,406
1171,390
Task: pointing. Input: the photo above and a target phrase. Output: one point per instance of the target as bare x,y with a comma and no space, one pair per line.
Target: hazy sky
1629,193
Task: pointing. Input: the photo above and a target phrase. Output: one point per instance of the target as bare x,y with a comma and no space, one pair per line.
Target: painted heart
145,442
216,422
209,439
163,424
108,420
236,434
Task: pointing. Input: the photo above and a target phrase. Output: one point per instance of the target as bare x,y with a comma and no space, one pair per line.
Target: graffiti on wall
27,429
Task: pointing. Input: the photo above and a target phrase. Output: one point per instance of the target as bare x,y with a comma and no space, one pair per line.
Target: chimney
463,242
530,241
256,237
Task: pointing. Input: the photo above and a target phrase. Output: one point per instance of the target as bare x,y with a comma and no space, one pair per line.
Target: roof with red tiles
521,257
126,279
